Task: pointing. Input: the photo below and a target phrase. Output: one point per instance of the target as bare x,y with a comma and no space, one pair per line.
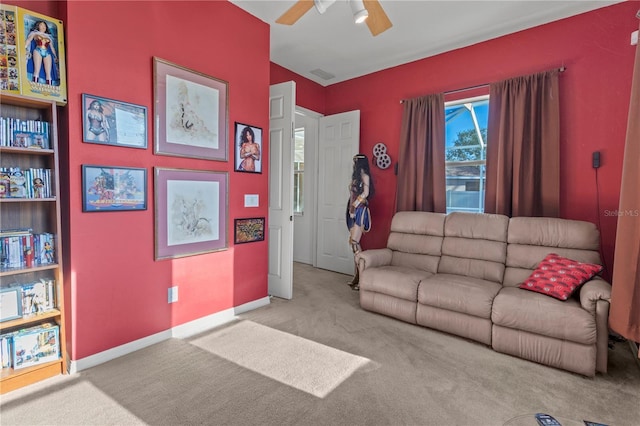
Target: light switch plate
251,200
172,295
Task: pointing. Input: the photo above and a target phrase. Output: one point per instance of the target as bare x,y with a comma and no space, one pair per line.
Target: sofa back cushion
475,245
531,239
416,240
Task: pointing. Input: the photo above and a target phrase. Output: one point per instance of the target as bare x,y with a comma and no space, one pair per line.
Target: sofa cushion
415,261
459,293
394,281
530,239
539,314
553,232
475,268
421,223
477,226
559,277
474,245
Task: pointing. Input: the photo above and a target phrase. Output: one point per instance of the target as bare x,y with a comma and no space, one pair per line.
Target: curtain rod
561,69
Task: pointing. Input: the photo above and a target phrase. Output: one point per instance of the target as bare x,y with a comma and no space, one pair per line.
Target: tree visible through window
466,153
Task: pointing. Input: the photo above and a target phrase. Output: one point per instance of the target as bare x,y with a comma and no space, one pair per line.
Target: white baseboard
181,331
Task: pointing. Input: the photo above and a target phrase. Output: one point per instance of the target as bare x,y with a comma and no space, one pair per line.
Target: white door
339,142
281,120
304,219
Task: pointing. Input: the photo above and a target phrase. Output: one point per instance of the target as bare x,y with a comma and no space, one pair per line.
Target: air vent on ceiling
323,74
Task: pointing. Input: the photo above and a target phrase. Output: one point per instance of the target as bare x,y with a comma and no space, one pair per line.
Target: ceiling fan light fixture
360,14
322,5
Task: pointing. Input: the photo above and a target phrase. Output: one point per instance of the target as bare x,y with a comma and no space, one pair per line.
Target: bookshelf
36,212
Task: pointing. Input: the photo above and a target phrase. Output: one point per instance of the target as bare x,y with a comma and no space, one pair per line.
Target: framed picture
10,303
109,122
249,230
111,189
190,212
248,148
191,112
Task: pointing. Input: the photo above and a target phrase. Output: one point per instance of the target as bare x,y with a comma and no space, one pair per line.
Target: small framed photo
111,189
191,211
249,230
248,148
10,303
110,122
191,111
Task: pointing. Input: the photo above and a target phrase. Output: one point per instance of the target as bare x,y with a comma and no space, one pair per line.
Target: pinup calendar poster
32,55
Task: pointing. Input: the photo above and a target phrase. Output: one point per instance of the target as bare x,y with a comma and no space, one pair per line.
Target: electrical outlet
172,294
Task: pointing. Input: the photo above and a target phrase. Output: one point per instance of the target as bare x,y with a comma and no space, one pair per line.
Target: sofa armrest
595,297
592,291
373,258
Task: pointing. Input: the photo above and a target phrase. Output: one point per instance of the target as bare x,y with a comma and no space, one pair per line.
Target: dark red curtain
421,170
624,316
523,147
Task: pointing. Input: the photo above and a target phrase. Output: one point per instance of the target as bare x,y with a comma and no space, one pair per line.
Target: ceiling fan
369,11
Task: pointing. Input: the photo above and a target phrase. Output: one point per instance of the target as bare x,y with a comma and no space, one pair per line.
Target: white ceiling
421,28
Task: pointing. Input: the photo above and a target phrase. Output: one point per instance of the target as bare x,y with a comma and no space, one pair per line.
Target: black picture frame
113,189
110,122
248,230
248,157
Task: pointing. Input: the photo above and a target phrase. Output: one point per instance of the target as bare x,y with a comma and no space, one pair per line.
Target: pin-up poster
32,55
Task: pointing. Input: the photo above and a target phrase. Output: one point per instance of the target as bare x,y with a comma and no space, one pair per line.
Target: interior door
304,222
339,141
281,119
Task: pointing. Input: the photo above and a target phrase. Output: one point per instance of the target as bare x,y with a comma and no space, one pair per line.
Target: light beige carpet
291,360
364,369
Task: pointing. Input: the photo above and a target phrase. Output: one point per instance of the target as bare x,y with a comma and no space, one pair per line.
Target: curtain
523,146
421,171
624,317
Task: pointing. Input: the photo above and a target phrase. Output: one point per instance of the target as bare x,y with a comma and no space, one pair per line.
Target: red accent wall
595,88
116,291
309,94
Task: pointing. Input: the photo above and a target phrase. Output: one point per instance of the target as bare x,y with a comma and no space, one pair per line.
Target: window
466,153
298,172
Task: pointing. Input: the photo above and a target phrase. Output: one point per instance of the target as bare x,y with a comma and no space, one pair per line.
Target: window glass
298,172
466,152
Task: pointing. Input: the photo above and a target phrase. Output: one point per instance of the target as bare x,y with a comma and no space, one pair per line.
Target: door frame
315,116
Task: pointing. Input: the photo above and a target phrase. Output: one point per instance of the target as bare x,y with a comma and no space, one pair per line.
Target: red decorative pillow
559,277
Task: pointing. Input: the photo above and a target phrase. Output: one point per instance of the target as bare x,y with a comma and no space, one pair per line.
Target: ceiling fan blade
295,12
378,21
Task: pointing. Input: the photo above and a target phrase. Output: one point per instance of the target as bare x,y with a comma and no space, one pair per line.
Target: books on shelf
20,248
27,183
19,133
30,346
